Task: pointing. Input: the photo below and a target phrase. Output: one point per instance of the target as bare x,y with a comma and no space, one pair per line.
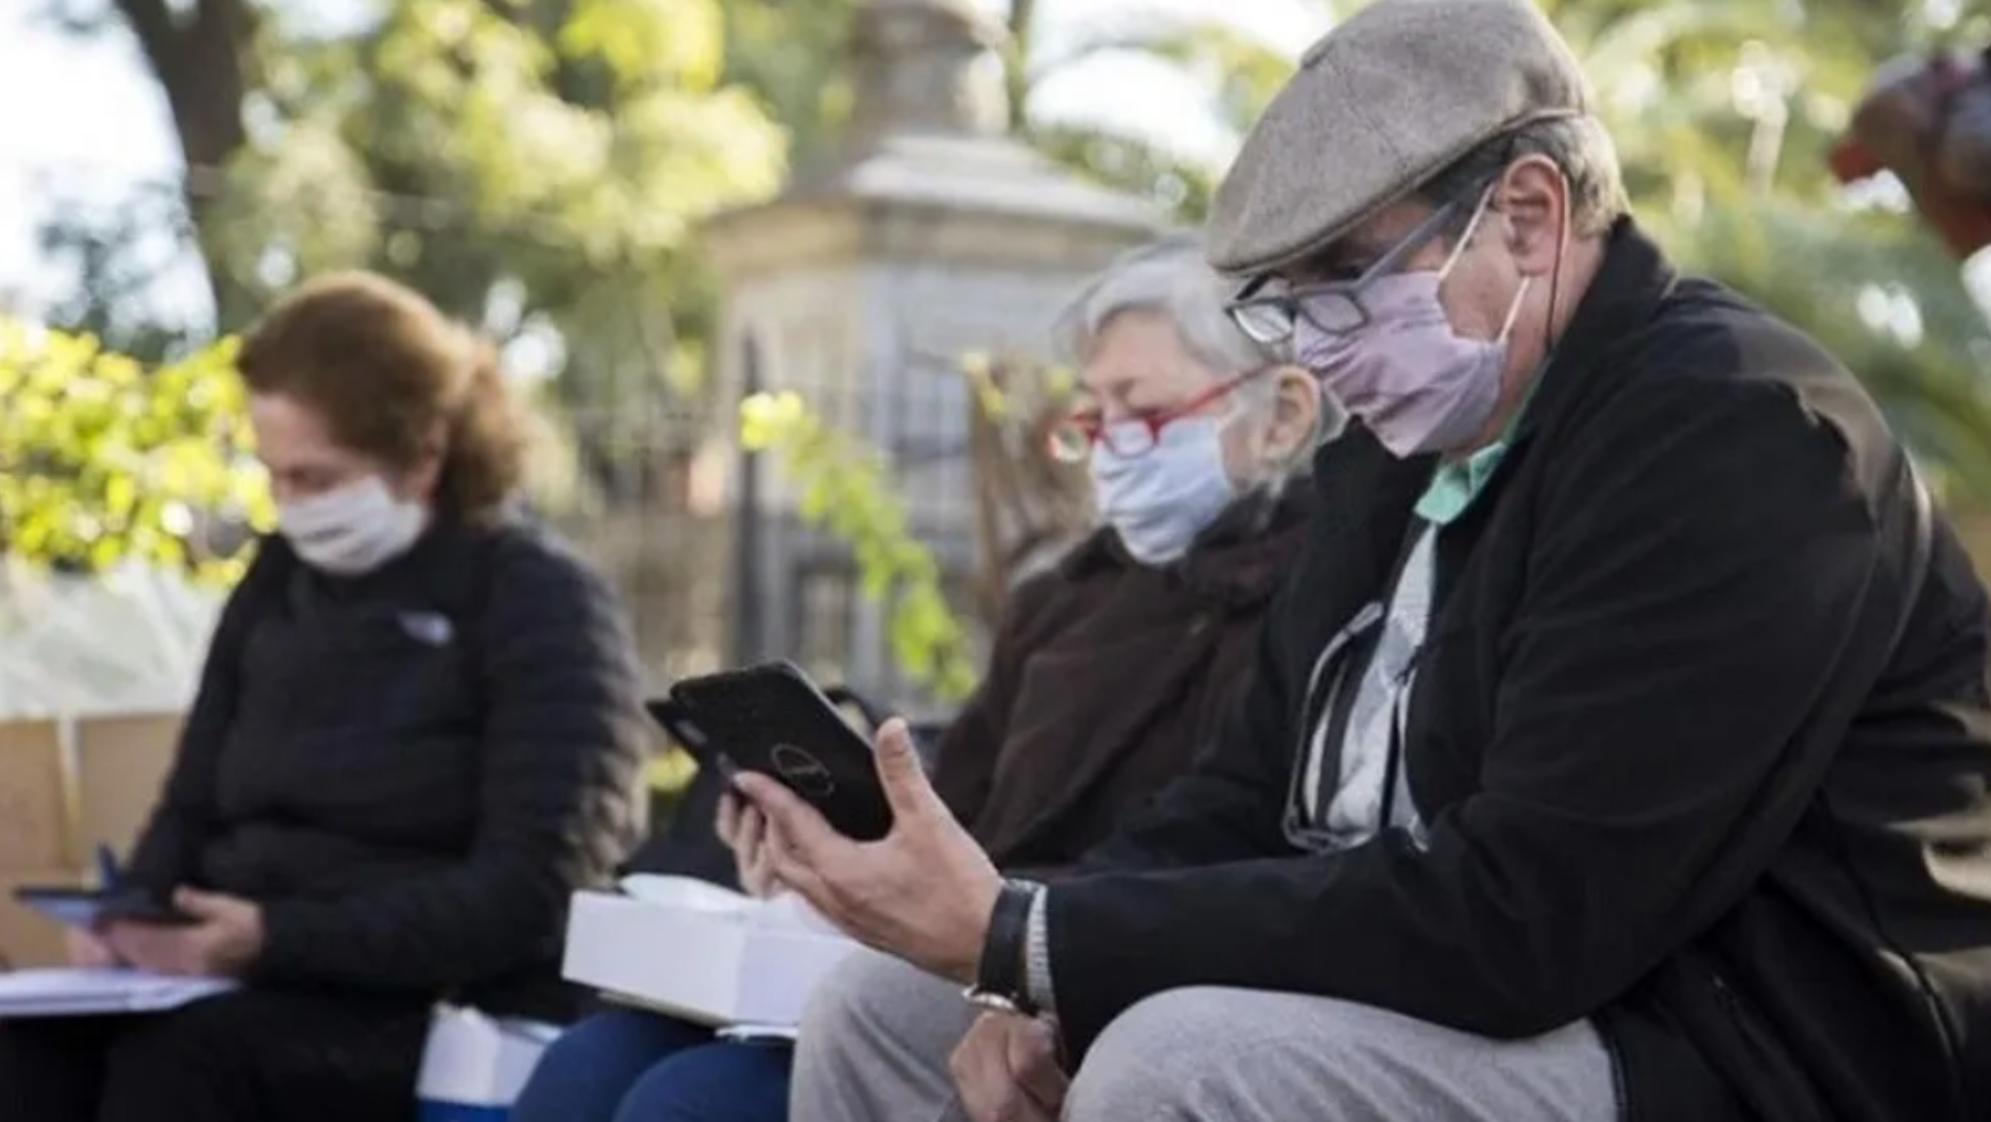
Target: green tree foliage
844,489
103,460
1242,74
1724,113
534,166
794,55
462,142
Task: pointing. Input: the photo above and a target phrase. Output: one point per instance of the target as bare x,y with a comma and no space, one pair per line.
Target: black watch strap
1001,973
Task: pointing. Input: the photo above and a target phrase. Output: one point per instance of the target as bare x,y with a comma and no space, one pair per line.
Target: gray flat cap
1385,101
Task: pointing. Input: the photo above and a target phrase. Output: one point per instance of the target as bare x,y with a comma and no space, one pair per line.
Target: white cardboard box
700,952
475,1065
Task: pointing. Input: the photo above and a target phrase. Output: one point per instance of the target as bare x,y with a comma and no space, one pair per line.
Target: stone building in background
932,235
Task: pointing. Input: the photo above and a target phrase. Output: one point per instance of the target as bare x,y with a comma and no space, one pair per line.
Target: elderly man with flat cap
1619,750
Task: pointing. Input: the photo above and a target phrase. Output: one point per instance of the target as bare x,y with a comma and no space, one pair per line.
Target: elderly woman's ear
1297,420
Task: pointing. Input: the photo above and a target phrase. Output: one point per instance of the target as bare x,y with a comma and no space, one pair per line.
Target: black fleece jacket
410,771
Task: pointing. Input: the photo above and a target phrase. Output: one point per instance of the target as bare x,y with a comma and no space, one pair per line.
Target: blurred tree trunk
197,57
1016,62
196,51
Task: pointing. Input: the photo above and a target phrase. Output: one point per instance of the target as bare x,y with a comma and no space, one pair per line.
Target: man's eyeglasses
1333,307
1073,438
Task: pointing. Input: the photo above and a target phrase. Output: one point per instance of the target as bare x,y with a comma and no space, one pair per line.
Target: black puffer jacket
410,771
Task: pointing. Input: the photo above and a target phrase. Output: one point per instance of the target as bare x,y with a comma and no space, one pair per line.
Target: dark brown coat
1107,678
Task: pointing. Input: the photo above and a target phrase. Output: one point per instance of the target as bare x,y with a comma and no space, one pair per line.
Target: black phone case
773,720
86,908
678,725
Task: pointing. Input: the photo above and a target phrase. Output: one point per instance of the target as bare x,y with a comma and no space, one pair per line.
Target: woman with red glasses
1109,671
1111,668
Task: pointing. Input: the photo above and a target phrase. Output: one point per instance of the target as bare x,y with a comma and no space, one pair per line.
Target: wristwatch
1000,983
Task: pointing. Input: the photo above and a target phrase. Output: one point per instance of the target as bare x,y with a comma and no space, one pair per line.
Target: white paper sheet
85,993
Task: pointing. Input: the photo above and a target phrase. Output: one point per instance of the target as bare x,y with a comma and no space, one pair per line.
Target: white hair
1170,277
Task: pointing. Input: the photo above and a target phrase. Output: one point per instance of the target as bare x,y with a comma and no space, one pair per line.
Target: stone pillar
928,68
934,235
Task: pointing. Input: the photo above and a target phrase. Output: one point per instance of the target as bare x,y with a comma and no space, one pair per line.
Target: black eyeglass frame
1290,305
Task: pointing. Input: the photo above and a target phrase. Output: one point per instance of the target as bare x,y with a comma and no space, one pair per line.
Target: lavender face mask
1417,384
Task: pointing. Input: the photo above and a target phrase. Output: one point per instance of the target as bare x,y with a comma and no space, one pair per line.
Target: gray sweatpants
875,1043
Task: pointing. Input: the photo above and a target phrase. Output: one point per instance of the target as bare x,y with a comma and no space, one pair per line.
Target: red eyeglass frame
1093,425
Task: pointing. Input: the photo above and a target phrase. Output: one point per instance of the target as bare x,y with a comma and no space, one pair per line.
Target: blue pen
107,869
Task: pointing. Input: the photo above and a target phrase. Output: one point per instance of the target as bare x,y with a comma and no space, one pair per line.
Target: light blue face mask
1160,500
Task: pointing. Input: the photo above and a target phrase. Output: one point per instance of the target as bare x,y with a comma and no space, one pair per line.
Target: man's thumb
900,771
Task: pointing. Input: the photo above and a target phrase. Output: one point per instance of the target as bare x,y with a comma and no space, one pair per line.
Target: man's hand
1006,1070
924,892
223,944
744,830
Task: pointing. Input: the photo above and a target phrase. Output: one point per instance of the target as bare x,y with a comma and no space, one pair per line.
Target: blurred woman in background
416,733
1109,671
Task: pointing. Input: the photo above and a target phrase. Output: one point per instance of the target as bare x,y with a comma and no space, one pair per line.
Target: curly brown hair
383,366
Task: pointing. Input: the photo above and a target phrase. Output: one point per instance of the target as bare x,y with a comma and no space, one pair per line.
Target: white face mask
353,529
1160,500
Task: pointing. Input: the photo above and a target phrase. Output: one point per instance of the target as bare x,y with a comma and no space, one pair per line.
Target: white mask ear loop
1514,311
1465,239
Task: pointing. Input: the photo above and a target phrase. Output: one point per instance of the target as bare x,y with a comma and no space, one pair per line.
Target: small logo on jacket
803,771
431,629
